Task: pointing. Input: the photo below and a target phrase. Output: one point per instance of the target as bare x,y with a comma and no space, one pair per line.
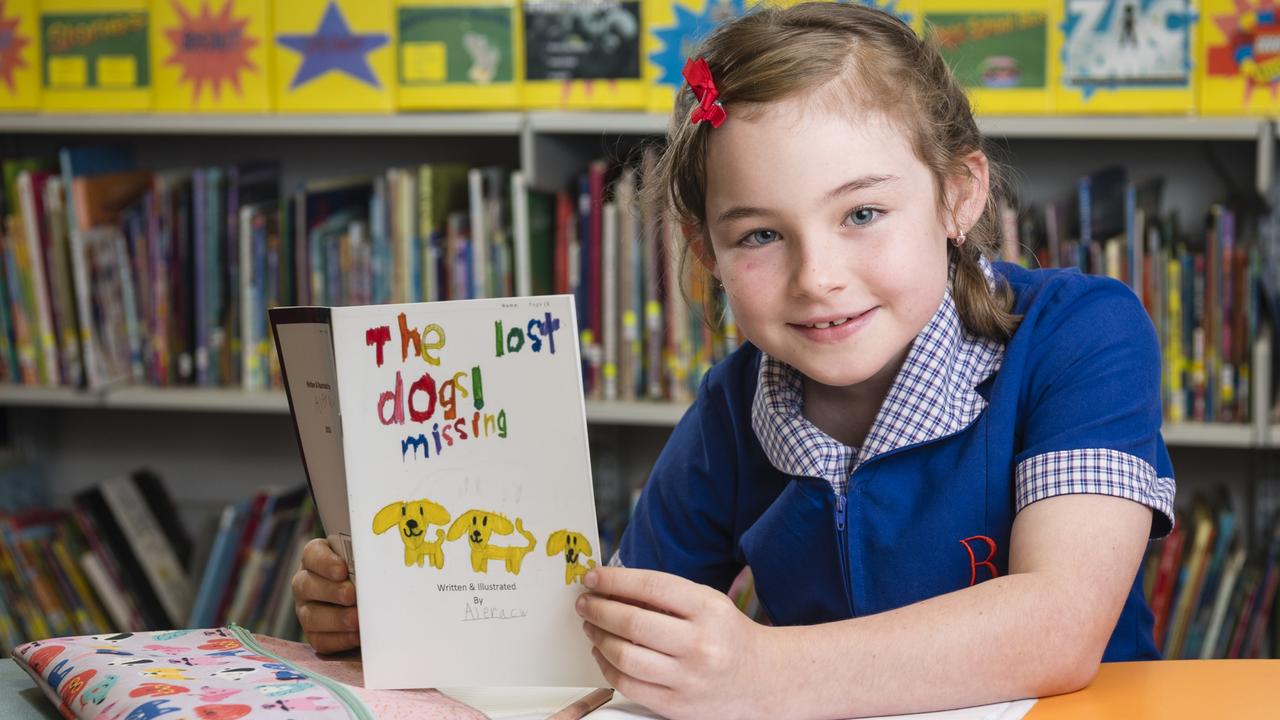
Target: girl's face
827,236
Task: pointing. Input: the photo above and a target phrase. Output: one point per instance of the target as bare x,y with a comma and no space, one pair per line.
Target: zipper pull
840,500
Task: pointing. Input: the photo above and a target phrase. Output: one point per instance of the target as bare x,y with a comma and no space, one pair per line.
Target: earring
958,240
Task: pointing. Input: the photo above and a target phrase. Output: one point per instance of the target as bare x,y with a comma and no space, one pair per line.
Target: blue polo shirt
971,432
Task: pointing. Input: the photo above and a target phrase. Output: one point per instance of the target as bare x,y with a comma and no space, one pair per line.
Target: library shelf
581,123
460,123
599,412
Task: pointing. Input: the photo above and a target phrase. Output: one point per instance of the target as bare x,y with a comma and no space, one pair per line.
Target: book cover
584,54
96,55
1002,52
1128,57
673,31
150,545
19,55
333,55
414,416
1239,70
454,55
35,286
211,55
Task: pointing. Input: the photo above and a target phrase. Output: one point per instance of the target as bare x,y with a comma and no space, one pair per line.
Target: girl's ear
967,194
700,248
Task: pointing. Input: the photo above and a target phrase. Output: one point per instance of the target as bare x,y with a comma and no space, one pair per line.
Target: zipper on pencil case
354,706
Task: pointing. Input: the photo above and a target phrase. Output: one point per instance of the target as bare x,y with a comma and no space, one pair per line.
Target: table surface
1165,690
20,699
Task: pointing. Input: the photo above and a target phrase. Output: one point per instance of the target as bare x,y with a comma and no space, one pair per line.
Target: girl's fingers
652,629
319,617
645,693
307,586
320,559
333,642
637,661
666,593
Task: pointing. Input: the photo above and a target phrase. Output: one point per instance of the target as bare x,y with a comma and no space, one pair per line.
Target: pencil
587,703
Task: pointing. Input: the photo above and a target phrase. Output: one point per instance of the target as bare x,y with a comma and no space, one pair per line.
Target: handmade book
1239,71
456,55
333,55
1134,58
445,444
1001,52
95,55
19,55
211,56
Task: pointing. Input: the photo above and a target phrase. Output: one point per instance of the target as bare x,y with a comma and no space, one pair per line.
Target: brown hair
773,54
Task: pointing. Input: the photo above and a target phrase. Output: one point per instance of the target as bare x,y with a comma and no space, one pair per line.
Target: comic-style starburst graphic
210,48
680,40
11,45
1252,48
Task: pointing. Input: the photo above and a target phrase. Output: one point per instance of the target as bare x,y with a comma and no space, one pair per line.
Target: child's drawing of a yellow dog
574,546
478,525
412,518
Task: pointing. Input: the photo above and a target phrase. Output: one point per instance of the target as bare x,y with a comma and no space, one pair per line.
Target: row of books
1201,287
1211,595
121,560
1017,56
111,274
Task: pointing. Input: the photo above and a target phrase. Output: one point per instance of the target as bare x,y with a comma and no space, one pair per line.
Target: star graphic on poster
11,45
681,40
209,48
1251,48
334,47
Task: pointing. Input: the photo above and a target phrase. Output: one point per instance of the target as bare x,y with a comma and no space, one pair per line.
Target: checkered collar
933,395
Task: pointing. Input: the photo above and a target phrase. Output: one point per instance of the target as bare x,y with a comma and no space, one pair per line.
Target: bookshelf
215,446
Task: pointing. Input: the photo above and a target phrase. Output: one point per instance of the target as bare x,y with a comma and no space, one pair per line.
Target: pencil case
223,673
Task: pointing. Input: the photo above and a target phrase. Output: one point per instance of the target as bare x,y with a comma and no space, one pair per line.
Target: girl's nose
818,269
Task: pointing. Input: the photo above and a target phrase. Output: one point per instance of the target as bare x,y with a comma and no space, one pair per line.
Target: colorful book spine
211,56
96,55
333,55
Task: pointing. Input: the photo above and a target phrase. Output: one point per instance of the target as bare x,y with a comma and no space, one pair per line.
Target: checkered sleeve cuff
1097,471
616,560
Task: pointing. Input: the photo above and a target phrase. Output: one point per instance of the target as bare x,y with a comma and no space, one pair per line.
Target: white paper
308,350
620,708
517,703
446,600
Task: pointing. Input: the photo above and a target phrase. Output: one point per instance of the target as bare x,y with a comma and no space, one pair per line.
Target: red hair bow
709,108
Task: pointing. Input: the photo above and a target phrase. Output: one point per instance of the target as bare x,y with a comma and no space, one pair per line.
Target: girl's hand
325,600
680,648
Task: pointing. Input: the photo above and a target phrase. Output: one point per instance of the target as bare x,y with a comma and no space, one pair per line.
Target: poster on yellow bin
1128,57
19,55
211,55
673,31
584,54
458,54
333,55
1240,70
1002,51
95,55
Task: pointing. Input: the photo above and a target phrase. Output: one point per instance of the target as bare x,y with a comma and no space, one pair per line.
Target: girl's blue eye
759,237
863,216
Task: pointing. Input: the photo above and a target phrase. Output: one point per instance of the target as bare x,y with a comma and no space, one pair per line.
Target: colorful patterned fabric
217,674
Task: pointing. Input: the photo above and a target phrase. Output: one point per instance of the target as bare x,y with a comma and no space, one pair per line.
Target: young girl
942,472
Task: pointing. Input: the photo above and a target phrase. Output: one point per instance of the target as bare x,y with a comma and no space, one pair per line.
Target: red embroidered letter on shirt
973,559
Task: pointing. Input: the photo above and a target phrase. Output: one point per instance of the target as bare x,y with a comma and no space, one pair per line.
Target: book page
469,486
620,708
306,361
